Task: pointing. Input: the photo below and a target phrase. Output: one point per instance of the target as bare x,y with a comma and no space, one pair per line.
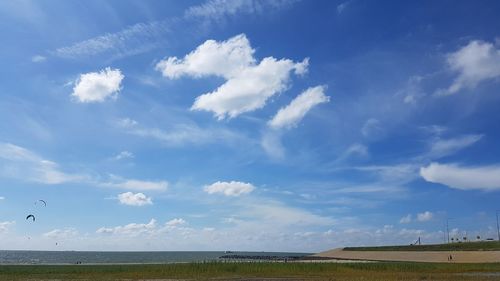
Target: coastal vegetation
464,246
255,271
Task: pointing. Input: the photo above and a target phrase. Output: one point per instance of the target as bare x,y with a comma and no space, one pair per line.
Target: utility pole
498,228
447,228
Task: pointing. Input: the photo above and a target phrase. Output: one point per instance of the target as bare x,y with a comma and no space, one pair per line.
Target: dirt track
424,256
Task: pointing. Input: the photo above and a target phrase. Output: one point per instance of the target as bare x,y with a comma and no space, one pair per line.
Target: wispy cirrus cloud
133,184
135,39
444,147
220,9
182,134
146,36
21,163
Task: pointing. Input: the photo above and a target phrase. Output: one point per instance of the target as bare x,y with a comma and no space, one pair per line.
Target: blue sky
247,125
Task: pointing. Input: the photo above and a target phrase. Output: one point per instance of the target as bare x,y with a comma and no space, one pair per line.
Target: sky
247,125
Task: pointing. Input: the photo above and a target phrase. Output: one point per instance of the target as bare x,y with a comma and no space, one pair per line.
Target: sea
88,257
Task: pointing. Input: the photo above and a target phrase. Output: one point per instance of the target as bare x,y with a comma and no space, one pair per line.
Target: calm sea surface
72,257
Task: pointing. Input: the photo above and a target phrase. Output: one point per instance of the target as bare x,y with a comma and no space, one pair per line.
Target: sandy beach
415,256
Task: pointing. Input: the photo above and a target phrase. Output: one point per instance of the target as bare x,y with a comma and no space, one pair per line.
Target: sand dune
424,256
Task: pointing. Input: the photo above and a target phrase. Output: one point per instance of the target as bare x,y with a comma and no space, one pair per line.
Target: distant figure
451,258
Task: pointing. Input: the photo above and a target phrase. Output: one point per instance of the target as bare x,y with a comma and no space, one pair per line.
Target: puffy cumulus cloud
131,229
61,233
5,226
476,62
233,188
465,178
248,84
175,222
98,86
444,147
425,216
21,163
224,59
291,114
405,219
134,199
133,184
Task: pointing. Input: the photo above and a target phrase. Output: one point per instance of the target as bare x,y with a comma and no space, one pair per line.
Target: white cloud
356,149
124,155
290,115
224,59
98,86
412,92
38,58
131,229
278,215
477,62
175,222
425,216
135,39
465,178
272,145
126,122
2,198
342,6
61,233
401,173
134,199
444,147
182,134
405,219
249,85
219,9
371,128
233,188
133,184
21,163
5,226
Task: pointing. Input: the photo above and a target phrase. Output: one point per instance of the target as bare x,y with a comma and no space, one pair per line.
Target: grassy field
255,271
468,246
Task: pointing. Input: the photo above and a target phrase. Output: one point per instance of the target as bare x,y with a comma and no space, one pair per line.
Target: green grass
258,270
467,246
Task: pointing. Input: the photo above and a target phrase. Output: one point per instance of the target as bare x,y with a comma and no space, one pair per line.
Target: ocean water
72,257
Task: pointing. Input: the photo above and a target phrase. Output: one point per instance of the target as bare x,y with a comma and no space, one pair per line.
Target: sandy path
424,256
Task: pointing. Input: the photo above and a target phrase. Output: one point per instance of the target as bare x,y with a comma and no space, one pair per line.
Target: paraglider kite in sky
43,201
30,216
